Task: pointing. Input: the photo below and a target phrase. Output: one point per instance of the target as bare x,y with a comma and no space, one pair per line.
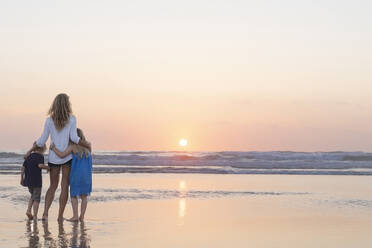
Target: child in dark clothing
31,178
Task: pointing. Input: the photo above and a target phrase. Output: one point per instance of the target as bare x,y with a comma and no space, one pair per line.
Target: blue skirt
81,175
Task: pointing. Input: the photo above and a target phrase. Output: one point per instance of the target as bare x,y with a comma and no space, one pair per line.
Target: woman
61,127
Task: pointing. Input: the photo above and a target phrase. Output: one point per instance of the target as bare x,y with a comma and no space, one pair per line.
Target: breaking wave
276,162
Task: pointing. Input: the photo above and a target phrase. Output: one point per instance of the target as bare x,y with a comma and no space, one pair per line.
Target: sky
225,75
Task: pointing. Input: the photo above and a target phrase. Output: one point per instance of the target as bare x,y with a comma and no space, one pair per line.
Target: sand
191,210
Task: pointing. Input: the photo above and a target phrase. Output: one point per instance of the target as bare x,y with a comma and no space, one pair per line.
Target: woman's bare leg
75,210
64,191
49,196
83,207
28,212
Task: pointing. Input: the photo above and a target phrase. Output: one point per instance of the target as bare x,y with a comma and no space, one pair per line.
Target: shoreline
14,169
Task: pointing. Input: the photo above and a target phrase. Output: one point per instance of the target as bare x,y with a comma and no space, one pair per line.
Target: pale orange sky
235,75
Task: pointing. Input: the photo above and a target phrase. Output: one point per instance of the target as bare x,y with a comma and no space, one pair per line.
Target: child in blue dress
80,175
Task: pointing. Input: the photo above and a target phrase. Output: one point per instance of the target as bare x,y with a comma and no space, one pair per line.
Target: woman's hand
51,146
86,144
22,182
89,145
27,154
29,151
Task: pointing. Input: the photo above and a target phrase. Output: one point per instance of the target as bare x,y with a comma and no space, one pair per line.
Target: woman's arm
75,138
45,135
64,153
42,140
30,150
73,131
85,144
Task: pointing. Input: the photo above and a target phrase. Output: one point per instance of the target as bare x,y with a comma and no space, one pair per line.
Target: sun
183,142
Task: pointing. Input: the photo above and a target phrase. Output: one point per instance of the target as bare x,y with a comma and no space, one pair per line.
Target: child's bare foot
81,218
60,219
29,215
73,219
45,217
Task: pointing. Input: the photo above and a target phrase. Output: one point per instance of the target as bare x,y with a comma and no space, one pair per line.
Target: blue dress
81,175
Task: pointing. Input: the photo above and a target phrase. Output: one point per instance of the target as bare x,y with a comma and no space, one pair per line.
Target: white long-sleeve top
60,138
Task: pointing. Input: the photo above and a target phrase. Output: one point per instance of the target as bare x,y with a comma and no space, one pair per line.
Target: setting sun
183,142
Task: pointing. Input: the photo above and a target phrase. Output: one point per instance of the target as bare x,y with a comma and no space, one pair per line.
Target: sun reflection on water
182,185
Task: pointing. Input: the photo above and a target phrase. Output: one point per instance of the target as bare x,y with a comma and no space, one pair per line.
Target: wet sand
190,210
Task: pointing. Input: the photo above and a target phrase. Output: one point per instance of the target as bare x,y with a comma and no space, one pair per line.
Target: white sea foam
17,196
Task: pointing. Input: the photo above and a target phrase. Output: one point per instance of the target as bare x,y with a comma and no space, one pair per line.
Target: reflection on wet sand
32,234
182,207
182,202
78,236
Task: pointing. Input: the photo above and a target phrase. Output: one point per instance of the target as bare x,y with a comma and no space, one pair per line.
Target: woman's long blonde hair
60,111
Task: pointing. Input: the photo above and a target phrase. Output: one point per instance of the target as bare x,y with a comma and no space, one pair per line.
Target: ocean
225,162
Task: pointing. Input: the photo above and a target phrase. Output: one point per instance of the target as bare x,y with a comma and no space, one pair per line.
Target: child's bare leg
28,212
83,207
35,205
74,203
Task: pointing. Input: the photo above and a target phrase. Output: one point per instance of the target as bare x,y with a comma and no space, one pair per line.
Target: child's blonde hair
80,149
80,134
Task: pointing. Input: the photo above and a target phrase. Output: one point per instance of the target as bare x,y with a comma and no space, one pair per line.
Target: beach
199,210
191,124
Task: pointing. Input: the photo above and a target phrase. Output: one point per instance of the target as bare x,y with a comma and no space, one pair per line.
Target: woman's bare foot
29,215
60,219
45,217
81,218
73,219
